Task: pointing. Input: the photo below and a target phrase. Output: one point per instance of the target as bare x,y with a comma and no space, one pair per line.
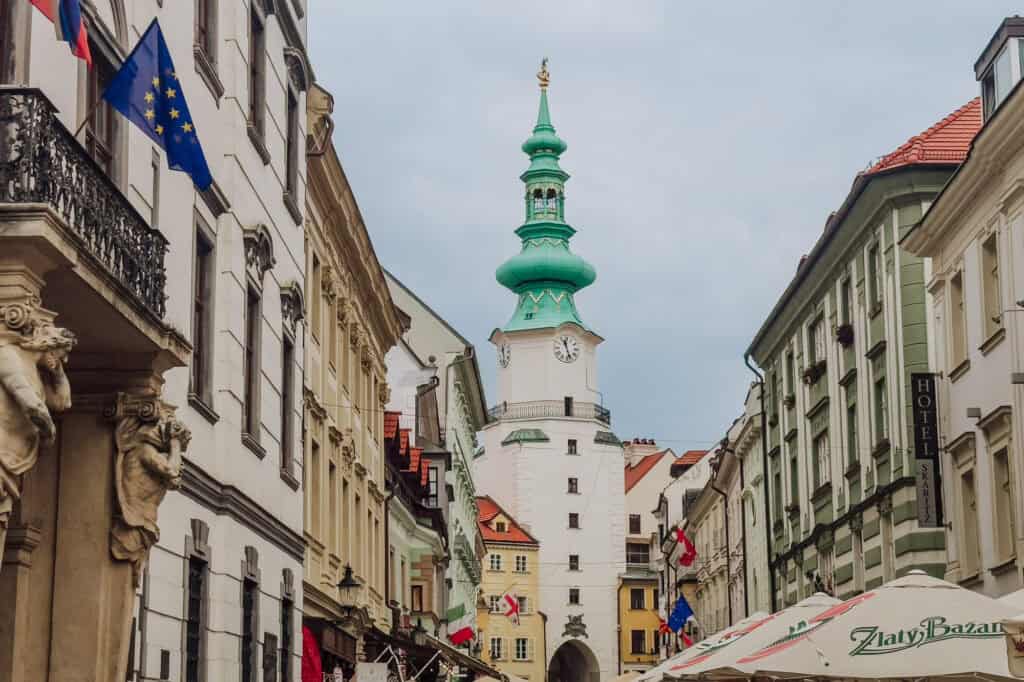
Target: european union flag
146,90
680,614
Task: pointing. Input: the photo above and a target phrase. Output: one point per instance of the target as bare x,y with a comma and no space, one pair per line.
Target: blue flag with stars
147,92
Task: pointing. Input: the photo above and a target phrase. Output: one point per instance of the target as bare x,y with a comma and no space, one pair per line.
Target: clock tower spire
545,274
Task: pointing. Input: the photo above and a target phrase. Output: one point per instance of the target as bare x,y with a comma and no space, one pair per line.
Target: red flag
689,554
66,16
663,627
687,642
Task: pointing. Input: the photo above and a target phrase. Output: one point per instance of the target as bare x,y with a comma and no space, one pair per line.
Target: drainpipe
725,510
764,477
743,534
618,627
387,547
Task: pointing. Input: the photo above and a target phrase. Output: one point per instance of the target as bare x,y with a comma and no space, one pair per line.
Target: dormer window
500,526
1001,64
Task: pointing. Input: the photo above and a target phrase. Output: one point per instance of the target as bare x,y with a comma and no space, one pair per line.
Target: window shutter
530,648
526,605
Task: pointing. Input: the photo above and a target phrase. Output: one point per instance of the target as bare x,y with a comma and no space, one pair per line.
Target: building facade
351,324
745,441
975,290
707,521
511,570
837,351
549,438
219,596
437,352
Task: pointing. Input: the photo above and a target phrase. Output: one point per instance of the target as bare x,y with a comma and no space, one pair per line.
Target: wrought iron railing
539,409
42,163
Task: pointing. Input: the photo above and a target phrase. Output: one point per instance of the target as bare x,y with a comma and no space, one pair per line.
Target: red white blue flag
66,16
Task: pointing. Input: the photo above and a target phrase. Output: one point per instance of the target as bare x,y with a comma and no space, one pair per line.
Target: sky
708,143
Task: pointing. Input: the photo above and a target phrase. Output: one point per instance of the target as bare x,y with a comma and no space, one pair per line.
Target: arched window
538,200
552,201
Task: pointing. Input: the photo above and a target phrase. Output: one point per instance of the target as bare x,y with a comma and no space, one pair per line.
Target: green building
837,351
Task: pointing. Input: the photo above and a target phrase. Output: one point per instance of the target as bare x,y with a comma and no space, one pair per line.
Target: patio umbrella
754,635
913,627
657,673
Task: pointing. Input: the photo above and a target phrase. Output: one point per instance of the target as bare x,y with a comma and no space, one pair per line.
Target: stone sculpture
32,356
149,443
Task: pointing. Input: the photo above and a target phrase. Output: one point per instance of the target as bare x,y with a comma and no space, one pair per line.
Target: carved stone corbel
259,251
148,443
293,306
33,385
383,393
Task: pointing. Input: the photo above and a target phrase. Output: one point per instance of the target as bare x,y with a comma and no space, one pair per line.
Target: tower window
574,520
572,446
574,595
568,406
574,562
574,485
552,200
538,200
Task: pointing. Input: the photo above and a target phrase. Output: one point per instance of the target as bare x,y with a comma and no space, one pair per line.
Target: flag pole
92,115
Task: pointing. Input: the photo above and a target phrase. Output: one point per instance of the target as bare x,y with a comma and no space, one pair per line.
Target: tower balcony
544,409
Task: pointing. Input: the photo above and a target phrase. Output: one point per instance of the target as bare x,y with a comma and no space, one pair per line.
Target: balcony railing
539,409
42,163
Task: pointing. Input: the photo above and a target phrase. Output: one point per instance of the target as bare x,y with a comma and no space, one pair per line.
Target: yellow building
510,567
638,622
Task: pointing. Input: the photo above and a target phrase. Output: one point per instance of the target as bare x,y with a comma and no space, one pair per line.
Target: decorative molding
288,584
251,564
259,251
197,545
227,500
990,422
293,305
300,72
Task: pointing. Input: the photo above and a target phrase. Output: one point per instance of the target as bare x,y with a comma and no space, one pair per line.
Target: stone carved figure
32,383
149,443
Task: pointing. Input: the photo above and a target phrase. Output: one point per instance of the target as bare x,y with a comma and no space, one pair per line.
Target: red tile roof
391,424
638,471
948,141
691,457
487,509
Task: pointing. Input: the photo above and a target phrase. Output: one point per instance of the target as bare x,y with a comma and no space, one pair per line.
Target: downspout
765,477
618,627
387,548
743,532
725,511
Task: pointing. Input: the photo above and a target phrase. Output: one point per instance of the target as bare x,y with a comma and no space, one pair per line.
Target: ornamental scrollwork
259,251
149,443
33,385
292,304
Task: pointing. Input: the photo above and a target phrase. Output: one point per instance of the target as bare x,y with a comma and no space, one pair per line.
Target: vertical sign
926,450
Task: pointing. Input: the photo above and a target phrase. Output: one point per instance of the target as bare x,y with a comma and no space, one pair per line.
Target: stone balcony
543,409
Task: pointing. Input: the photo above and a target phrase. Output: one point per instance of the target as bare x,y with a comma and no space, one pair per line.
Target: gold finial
543,77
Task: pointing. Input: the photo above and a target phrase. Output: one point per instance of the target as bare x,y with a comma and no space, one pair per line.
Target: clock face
504,354
567,348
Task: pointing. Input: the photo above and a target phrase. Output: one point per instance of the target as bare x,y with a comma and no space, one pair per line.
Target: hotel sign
926,450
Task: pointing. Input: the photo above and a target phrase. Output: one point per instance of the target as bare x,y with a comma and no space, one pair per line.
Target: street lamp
349,587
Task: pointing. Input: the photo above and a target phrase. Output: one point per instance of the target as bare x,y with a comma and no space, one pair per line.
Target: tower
550,456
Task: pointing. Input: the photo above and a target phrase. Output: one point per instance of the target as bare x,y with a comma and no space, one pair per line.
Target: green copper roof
607,438
526,436
545,274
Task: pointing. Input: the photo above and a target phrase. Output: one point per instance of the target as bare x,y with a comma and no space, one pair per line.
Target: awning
461,658
333,639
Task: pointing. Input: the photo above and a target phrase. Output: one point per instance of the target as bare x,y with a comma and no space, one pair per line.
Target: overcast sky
708,142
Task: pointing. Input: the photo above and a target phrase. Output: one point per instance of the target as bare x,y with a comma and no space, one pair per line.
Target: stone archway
573,661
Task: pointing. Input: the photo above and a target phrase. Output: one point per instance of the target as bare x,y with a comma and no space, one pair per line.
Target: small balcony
542,409
42,166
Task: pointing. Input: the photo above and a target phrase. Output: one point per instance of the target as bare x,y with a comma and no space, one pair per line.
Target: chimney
638,448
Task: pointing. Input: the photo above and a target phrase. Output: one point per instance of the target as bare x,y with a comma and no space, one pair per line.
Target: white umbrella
754,635
913,627
658,672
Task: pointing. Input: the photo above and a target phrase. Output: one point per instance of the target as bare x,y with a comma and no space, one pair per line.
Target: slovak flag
510,607
66,16
689,554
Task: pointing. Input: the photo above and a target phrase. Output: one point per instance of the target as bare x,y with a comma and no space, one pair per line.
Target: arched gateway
574,662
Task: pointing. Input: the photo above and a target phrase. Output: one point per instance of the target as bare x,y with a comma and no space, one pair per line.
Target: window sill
881,448
992,341
289,478
960,370
1004,566
249,441
293,208
207,70
875,350
200,406
822,492
852,471
256,137
875,310
972,580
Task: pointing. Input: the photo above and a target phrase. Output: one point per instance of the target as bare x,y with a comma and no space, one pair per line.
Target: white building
745,438
550,458
971,232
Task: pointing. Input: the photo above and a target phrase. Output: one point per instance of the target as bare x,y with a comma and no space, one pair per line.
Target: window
845,302
494,602
874,279
822,461
332,508
574,562
777,494
205,27
500,526
496,648
250,624
520,563
332,335
257,69
568,406
495,560
816,341
574,520
790,374
634,524
574,596
858,561
99,130
202,315
522,648
312,474
637,553
852,454
957,319
638,641
154,213
288,403
881,410
1004,504
654,599
572,446
573,485
524,605
287,630
970,559
195,619
316,298
794,476
990,285
292,143
636,599
417,598
888,549
253,315
432,487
